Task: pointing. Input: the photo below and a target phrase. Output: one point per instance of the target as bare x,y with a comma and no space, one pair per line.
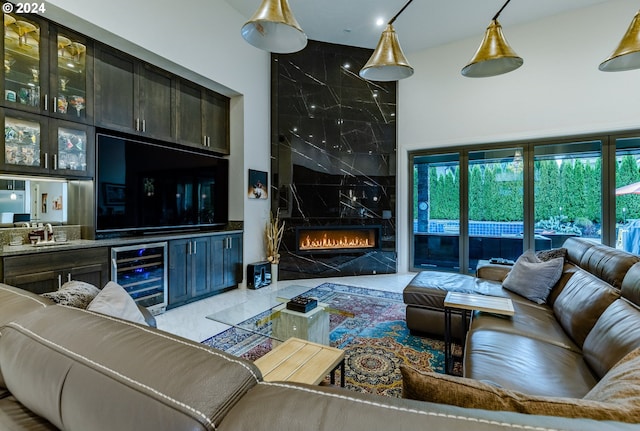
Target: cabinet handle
190,246
208,141
59,281
46,102
55,162
195,247
69,277
54,105
204,140
46,160
137,124
144,125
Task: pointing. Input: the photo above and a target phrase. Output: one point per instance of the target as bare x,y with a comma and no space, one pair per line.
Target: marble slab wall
333,157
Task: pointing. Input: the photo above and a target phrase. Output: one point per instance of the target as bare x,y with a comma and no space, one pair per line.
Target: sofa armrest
493,272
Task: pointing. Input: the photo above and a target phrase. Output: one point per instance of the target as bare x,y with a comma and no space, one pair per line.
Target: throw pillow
546,255
74,294
114,301
621,386
469,393
532,278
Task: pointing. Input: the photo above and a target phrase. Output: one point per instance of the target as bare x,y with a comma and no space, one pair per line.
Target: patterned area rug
370,326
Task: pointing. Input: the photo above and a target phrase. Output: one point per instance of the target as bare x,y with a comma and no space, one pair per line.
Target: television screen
146,186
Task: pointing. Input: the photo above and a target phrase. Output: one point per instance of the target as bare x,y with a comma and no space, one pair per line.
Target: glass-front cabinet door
73,148
25,62
70,65
23,137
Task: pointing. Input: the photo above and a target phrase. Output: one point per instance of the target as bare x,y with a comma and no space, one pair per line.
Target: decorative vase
274,273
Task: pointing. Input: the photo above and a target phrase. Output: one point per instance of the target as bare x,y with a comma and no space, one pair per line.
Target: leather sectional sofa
561,348
72,369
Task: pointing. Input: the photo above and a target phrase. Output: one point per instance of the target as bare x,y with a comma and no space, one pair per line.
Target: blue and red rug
370,326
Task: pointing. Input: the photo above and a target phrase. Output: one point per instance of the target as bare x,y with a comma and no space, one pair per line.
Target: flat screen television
144,186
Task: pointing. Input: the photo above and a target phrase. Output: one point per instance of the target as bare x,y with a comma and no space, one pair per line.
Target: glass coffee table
269,317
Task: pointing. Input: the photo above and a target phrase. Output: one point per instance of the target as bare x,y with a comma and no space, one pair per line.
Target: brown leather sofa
71,369
561,348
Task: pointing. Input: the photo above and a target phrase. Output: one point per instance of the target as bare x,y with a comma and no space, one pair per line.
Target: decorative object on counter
302,304
258,275
16,240
273,237
258,185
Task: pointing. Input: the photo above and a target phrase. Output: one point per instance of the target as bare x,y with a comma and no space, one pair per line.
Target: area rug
369,325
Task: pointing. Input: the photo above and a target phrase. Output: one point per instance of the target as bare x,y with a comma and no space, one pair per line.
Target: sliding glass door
627,193
436,212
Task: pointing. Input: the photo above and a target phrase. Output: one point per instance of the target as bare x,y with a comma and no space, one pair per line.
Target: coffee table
269,317
301,361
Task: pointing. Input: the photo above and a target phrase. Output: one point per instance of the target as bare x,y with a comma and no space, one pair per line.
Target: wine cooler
142,271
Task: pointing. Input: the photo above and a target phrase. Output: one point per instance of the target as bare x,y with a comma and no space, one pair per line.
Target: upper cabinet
203,118
47,69
132,96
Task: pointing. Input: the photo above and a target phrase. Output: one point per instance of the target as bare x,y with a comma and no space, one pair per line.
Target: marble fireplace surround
333,159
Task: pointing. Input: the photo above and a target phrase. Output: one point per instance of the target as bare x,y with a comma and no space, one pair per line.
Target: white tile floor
190,320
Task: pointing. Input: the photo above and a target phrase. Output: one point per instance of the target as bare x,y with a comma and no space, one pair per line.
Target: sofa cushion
615,334
581,302
469,393
114,301
106,374
74,293
533,278
526,364
608,264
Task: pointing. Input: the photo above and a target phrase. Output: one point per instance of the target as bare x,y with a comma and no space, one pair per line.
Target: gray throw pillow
532,278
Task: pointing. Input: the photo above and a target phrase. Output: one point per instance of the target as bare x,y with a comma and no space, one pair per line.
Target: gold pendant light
627,54
273,28
388,63
494,56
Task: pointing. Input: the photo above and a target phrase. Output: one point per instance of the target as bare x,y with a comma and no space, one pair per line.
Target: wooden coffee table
301,361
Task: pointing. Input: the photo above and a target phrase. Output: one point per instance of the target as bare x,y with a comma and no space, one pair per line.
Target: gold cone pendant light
273,28
388,63
494,56
627,54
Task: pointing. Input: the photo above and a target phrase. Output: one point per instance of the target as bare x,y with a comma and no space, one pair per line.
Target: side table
464,303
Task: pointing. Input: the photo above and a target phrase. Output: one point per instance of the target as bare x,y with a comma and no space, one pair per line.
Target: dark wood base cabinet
46,272
203,266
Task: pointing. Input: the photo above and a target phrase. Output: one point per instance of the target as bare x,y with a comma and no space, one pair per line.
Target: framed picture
114,194
258,185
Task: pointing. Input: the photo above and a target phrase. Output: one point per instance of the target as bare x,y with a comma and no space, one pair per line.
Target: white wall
198,39
558,91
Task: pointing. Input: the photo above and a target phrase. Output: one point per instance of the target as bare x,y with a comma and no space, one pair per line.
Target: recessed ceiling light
379,22
347,65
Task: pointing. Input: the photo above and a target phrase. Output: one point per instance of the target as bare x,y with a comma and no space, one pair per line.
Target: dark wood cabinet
202,266
189,269
215,108
202,118
227,268
35,144
132,96
47,271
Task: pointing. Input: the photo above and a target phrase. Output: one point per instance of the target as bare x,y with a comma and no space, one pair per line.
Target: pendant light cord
499,12
405,6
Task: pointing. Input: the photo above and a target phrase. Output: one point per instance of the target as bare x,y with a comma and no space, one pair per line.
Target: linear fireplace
332,239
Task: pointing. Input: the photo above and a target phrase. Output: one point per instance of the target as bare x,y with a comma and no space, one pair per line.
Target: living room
437,108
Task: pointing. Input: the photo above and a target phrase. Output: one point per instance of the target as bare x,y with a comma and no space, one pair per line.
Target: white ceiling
424,24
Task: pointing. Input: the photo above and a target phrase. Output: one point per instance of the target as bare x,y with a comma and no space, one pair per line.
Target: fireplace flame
330,240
